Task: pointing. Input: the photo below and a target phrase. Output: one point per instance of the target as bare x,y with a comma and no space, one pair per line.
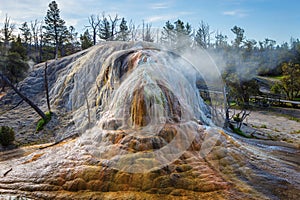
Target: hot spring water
143,98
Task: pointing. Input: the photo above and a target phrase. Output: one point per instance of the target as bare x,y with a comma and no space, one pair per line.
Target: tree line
244,58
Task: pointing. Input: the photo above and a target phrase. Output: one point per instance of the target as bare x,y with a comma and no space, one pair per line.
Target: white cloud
236,13
72,22
20,11
156,6
160,18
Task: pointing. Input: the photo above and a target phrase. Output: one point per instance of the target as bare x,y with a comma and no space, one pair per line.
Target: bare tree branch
94,25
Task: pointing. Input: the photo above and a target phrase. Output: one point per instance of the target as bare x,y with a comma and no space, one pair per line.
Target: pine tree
221,41
86,40
27,36
168,36
71,43
182,34
179,26
55,27
13,64
12,55
178,35
239,36
105,29
17,47
124,31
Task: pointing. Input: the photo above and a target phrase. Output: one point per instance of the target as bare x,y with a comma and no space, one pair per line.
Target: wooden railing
270,99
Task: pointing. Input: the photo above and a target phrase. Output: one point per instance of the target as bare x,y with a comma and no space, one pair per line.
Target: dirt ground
279,124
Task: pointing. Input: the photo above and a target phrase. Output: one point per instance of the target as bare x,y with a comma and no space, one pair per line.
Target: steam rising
143,98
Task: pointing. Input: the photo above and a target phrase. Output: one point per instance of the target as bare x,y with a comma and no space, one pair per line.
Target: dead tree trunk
46,87
39,111
243,115
87,104
227,107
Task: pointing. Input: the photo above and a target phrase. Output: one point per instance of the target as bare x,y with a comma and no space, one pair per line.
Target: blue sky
274,19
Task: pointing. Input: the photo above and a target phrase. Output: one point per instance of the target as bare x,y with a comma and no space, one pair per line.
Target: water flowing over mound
144,133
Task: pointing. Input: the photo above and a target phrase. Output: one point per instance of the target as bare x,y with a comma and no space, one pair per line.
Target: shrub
263,126
295,132
276,88
41,123
237,118
7,135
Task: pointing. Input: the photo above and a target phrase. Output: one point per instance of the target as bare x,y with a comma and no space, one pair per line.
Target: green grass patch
240,132
232,103
294,119
41,123
254,126
276,77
